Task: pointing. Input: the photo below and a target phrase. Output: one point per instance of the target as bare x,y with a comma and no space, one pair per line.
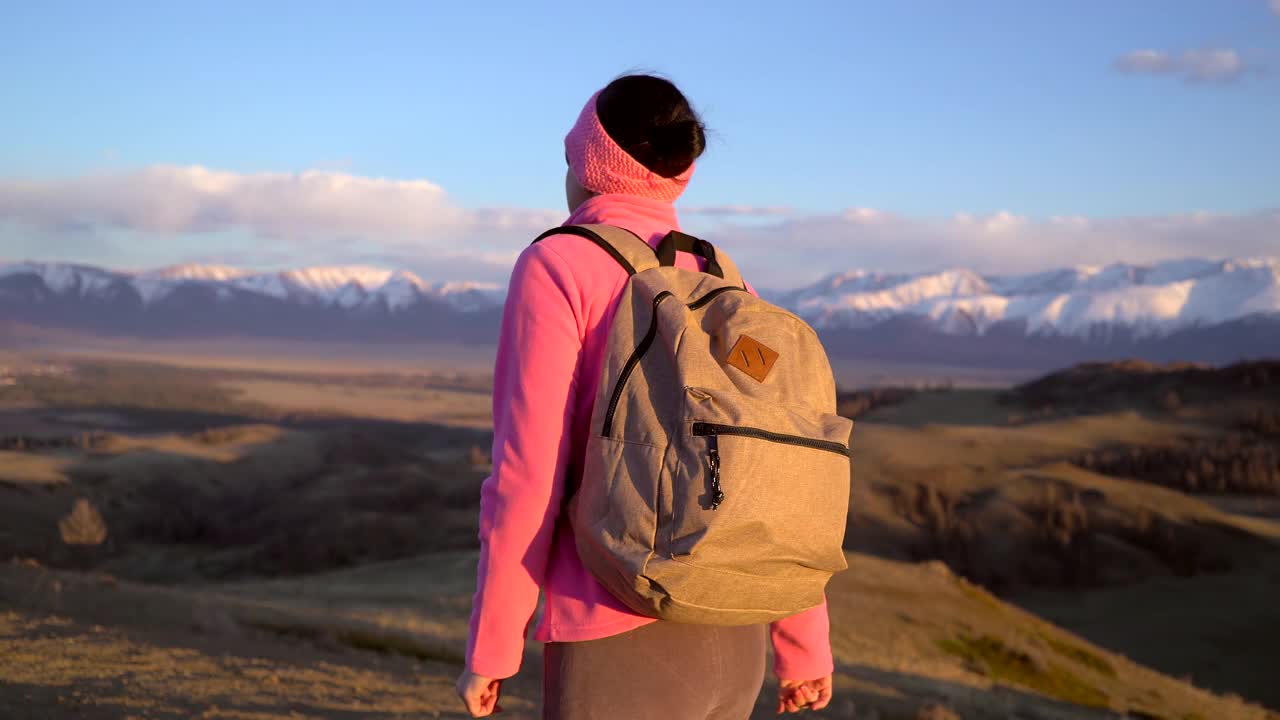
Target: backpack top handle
676,240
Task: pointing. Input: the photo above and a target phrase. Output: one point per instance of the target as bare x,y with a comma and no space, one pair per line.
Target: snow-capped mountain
1212,310
1143,300
346,287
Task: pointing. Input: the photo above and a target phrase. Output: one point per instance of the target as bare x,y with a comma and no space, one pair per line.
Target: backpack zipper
643,347
713,295
632,361
713,459
713,429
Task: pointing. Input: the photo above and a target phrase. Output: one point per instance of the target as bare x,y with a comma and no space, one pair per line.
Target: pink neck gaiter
601,166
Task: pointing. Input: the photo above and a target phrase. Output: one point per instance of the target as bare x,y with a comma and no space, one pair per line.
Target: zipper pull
713,456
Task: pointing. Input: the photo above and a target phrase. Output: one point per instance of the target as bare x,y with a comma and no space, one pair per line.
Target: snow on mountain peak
877,296
63,277
470,295
323,282
1150,299
195,271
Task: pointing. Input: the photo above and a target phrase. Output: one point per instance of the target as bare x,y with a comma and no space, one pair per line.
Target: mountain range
1193,309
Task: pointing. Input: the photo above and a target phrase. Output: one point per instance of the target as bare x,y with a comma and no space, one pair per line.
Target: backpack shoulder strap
624,246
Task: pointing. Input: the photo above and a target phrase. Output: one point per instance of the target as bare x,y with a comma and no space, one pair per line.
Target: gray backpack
716,483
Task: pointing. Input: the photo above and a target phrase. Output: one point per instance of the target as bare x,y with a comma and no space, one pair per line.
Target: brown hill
1044,490
908,639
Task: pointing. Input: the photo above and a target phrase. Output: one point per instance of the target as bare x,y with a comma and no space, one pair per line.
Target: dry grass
975,407
1079,654
426,596
994,660
1221,631
894,448
1004,505
942,476
235,500
267,355
19,468
465,409
991,657
896,619
51,667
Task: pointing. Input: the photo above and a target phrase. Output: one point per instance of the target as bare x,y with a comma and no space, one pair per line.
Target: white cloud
800,250
164,215
313,212
1275,6
1203,65
737,210
1145,61
1212,65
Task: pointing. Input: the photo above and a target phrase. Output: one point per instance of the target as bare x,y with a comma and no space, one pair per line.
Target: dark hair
651,119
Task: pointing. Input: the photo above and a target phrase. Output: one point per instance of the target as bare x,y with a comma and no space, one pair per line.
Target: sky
1000,135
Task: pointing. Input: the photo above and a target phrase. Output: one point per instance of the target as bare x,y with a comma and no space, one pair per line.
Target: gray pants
662,671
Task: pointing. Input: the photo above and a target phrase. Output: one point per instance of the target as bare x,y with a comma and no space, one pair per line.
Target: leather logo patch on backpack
752,357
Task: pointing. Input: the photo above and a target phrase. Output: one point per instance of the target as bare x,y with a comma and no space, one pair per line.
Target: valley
183,535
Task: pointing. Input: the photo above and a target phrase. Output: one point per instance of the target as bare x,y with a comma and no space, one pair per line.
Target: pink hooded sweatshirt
563,294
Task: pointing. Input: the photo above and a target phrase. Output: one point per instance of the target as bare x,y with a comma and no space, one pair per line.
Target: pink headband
603,167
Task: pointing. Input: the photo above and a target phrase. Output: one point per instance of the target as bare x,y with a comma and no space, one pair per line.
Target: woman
630,155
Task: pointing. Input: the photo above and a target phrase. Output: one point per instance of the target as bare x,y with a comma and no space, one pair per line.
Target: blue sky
1152,121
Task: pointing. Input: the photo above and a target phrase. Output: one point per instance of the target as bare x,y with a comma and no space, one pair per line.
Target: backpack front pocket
760,488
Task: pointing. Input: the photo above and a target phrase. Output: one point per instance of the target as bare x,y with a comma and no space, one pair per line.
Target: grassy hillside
314,533
906,637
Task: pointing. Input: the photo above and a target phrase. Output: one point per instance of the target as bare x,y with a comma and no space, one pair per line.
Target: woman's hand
480,693
796,695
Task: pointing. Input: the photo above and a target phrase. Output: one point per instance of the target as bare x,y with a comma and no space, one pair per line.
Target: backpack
715,488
